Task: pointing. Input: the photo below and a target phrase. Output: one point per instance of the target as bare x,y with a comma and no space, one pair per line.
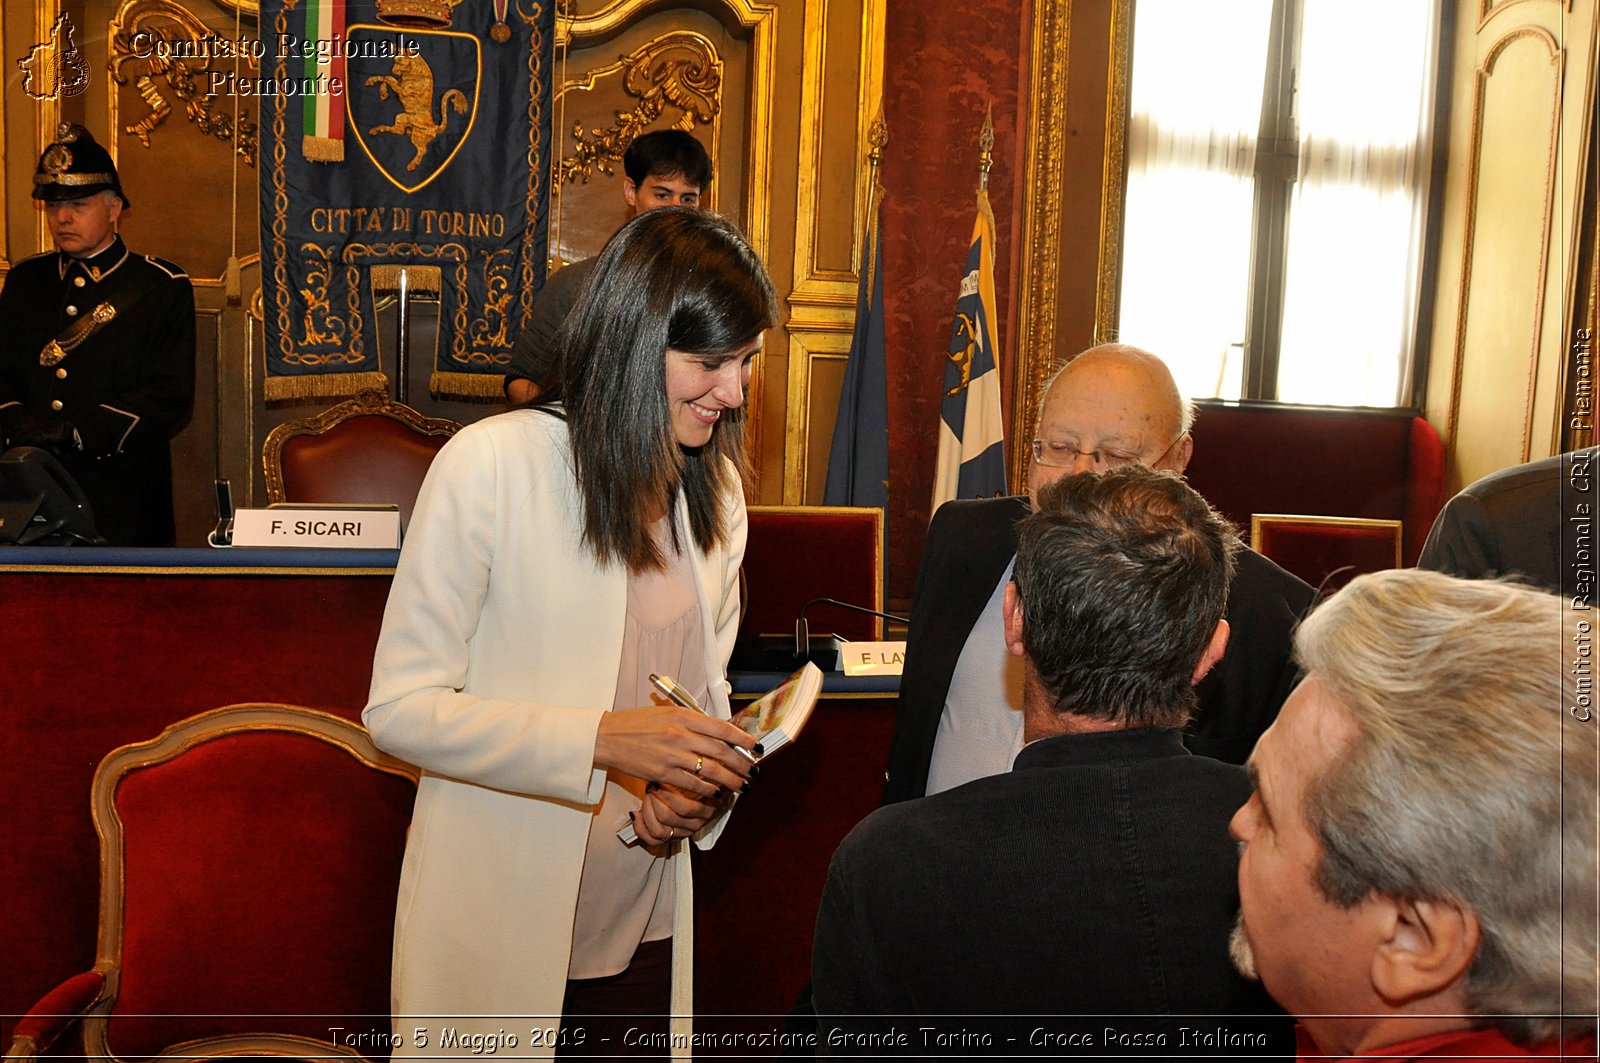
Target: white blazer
499,652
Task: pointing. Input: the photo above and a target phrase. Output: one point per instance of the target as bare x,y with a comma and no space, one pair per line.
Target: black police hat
73,166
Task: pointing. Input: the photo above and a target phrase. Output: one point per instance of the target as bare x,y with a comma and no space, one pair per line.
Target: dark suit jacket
969,545
1095,878
1528,520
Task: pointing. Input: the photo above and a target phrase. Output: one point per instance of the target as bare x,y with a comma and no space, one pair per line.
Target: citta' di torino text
149,44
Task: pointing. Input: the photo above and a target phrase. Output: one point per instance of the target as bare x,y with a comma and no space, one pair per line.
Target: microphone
223,535
802,631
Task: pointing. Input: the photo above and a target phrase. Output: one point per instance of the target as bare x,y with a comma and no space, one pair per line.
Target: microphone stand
802,631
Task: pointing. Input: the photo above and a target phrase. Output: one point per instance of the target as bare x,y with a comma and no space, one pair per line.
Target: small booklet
774,719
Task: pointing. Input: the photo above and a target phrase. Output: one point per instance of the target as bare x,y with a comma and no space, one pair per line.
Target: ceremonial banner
858,464
400,133
972,460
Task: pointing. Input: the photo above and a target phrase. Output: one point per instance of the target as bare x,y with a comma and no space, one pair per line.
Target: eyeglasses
1061,456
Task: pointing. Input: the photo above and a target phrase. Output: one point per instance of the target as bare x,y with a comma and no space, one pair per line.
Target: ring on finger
699,762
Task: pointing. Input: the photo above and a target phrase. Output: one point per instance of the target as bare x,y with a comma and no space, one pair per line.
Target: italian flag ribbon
324,111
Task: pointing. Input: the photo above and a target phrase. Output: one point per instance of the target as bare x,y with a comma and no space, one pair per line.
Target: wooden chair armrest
56,1012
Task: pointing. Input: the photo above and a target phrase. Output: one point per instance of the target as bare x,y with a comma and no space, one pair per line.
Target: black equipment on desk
40,503
778,653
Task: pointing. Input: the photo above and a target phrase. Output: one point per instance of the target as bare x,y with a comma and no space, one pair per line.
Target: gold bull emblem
966,333
412,82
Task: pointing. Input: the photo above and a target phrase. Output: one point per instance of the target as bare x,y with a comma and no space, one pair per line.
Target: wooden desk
109,646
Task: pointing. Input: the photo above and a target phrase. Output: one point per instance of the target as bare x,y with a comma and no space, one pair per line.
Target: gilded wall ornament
679,69
167,53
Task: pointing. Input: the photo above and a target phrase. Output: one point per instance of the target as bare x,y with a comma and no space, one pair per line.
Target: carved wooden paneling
631,66
817,359
1506,245
1519,143
185,148
836,115
840,96
672,80
47,112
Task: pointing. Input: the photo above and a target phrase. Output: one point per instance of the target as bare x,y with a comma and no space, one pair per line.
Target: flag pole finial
986,148
878,138
986,144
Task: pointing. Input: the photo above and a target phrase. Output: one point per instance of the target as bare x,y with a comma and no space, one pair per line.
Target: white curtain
1365,105
1194,110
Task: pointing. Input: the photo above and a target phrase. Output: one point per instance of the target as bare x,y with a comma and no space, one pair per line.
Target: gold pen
680,696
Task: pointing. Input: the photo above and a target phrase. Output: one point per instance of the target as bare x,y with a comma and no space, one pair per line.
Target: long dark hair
672,277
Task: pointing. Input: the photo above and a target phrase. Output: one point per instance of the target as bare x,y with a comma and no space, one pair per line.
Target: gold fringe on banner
324,385
322,149
385,277
468,385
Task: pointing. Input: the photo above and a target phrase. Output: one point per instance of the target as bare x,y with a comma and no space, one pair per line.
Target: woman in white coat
558,555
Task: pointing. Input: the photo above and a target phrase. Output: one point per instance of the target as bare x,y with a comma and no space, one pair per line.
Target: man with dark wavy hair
1095,877
1417,877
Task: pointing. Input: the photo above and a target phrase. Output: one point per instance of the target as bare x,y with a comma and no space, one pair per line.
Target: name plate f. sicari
340,527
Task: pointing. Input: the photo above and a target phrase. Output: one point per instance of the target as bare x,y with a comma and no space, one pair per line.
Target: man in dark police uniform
97,348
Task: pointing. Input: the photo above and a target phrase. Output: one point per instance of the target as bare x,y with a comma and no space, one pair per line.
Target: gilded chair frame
368,403
1260,521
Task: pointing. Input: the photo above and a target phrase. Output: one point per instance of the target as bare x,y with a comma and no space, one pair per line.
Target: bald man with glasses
960,710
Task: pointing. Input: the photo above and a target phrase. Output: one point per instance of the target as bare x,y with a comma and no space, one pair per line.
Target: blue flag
858,465
972,458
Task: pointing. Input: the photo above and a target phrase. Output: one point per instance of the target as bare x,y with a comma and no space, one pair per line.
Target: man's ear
1178,460
1427,949
1213,652
1011,608
630,192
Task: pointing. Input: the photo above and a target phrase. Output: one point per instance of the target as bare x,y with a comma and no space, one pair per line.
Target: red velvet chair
1265,458
797,553
369,449
250,858
1327,552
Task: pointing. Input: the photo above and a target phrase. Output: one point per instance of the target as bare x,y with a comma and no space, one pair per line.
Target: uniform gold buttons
55,404
72,311
77,282
61,374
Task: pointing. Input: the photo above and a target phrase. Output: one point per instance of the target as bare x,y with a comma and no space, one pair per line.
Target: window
1277,168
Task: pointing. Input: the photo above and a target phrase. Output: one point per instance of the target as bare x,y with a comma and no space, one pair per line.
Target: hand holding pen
668,686
675,746
682,798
